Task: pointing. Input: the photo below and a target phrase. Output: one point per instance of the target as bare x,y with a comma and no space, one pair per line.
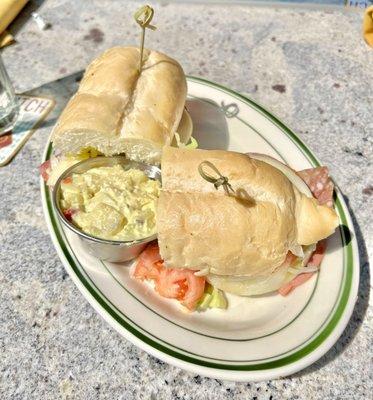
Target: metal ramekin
107,250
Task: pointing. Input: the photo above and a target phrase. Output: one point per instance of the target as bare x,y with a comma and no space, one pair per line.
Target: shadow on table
360,308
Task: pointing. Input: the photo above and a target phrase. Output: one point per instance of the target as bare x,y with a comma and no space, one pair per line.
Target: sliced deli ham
297,281
45,170
320,184
322,187
314,261
318,254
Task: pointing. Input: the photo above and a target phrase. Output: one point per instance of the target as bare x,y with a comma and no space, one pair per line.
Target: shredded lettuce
85,153
61,163
300,265
192,144
205,301
212,298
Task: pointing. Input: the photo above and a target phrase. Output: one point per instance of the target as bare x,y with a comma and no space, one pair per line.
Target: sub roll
119,109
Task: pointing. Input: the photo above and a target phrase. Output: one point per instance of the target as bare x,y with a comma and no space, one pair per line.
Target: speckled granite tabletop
310,67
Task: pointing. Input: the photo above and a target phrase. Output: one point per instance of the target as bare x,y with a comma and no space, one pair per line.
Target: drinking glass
9,106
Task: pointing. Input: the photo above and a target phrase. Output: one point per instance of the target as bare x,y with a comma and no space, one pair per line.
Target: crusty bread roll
248,234
119,110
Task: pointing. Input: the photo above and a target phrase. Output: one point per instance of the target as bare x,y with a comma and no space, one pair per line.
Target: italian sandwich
264,235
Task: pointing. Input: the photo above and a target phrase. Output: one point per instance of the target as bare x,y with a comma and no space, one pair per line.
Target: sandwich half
121,110
249,242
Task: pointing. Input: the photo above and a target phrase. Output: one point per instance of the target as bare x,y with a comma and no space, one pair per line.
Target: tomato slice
149,263
181,284
196,288
172,283
45,170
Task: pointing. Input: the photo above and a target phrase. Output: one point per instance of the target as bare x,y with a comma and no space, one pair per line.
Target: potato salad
111,202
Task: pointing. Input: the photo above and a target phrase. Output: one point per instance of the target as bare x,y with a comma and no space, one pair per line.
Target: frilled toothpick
143,17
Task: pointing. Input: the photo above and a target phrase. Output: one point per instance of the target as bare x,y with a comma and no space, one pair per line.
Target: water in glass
9,106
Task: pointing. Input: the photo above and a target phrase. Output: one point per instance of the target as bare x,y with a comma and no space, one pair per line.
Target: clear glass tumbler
9,105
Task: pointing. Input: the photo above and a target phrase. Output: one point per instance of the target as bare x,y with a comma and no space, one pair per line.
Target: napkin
368,26
9,9
32,112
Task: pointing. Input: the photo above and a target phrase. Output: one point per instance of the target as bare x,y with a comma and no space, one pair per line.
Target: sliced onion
184,130
297,250
298,271
202,272
308,250
298,182
286,170
244,286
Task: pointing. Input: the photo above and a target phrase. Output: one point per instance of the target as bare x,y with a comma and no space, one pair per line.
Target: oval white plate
256,338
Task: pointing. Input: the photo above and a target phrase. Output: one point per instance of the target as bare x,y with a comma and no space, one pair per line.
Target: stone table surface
310,67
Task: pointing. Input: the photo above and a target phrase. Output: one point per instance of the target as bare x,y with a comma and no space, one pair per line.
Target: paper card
33,110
